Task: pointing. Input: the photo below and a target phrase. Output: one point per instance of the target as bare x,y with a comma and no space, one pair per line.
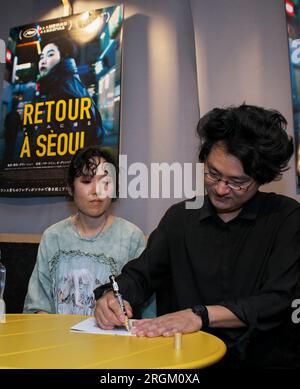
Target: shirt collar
207,210
250,210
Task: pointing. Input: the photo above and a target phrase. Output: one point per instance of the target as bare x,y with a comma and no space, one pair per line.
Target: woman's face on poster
50,57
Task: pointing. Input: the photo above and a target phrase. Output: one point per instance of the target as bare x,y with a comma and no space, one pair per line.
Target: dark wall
19,260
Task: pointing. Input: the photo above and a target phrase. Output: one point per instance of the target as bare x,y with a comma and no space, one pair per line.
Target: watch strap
201,311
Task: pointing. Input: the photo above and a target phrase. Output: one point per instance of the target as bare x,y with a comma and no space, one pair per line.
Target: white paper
90,326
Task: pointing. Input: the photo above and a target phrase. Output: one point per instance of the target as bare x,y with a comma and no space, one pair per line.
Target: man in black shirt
230,267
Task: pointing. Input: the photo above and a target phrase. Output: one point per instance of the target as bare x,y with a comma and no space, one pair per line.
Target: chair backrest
19,258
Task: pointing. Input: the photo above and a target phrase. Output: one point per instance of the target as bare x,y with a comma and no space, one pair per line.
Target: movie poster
293,27
61,92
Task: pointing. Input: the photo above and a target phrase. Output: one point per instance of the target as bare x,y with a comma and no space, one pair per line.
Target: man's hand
184,321
108,312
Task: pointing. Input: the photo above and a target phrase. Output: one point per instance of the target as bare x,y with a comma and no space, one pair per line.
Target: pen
118,296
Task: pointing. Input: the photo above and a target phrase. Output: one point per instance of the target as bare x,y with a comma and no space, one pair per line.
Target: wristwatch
201,310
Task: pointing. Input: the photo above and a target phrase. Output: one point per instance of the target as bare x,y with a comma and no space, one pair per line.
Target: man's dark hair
254,135
84,162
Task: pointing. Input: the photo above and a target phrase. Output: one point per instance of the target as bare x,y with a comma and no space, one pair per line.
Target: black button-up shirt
249,265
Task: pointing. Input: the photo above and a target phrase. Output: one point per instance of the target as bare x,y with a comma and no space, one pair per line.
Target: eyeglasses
215,178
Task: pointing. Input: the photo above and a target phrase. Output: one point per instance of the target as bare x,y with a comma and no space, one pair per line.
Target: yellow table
45,342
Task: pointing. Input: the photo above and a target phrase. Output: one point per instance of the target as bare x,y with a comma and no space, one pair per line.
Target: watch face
198,309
